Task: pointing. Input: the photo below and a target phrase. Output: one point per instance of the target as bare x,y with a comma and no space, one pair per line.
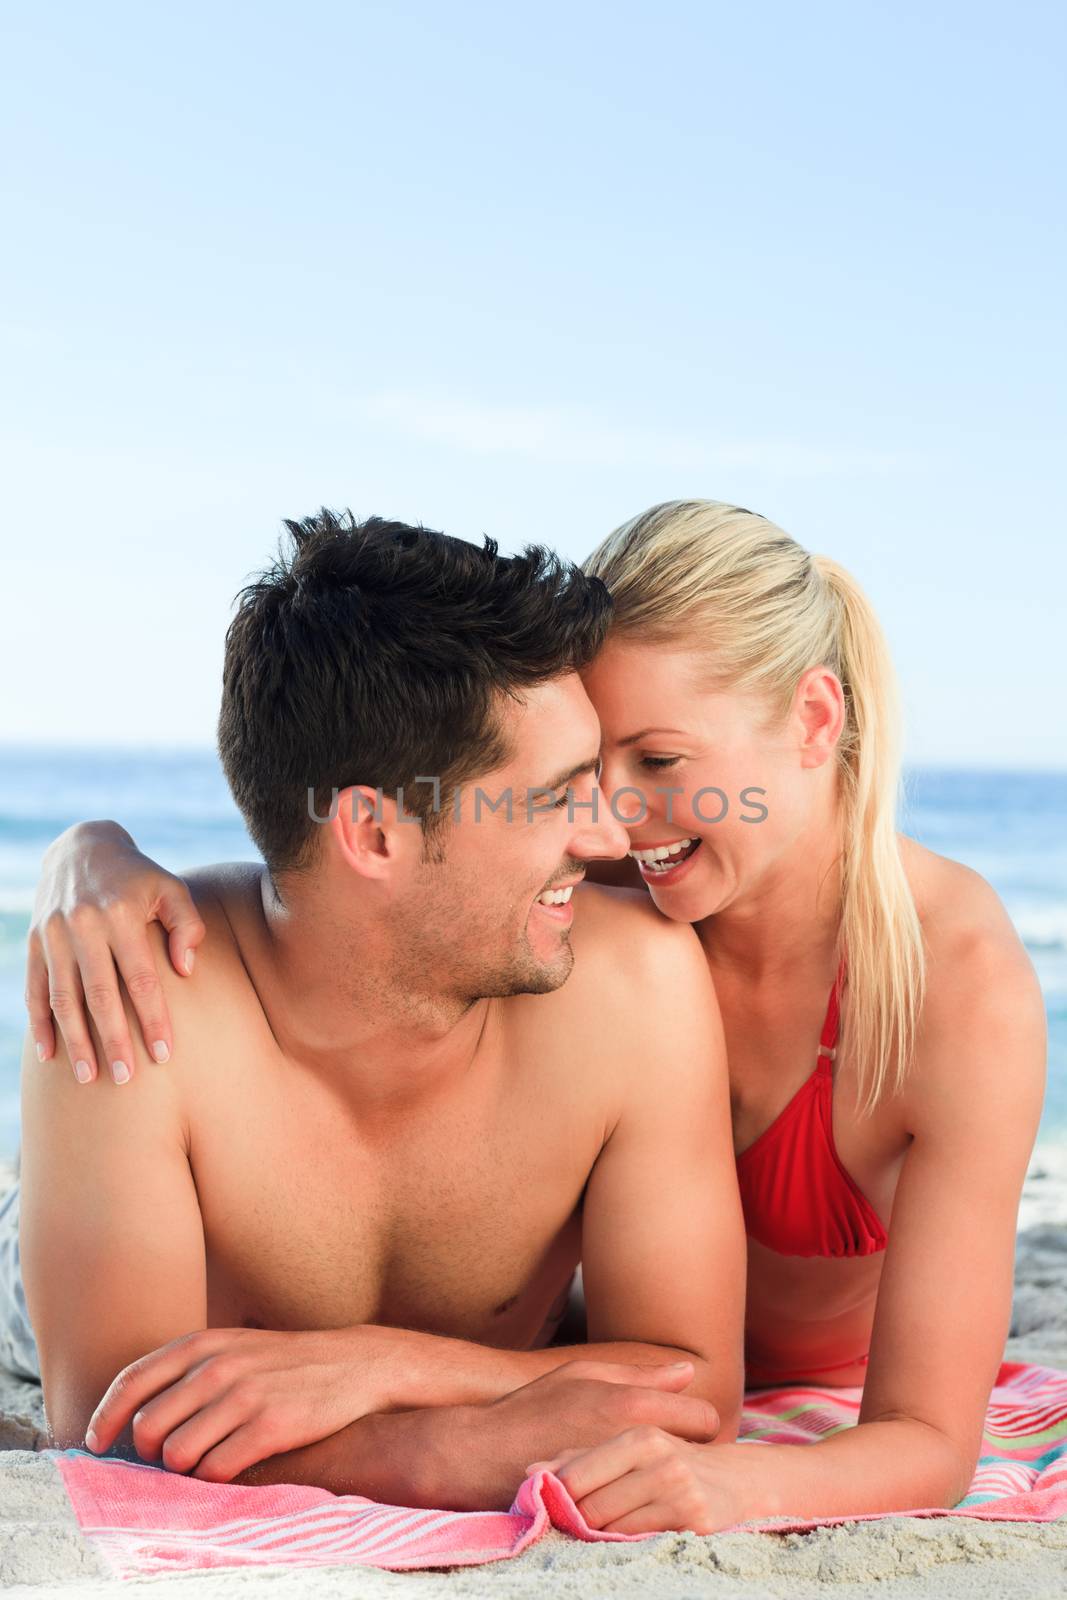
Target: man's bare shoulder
638,981
216,1009
637,1020
208,1011
623,944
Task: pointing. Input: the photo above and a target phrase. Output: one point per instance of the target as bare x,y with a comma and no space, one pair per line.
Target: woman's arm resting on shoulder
96,897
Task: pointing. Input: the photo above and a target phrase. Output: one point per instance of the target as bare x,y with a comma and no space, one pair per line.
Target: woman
884,1027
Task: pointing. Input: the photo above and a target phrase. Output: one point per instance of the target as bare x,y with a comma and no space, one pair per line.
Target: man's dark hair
376,653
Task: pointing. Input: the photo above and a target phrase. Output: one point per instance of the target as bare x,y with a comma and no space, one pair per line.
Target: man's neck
335,1002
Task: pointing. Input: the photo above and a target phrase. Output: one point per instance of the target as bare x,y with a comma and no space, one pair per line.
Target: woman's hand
94,902
648,1481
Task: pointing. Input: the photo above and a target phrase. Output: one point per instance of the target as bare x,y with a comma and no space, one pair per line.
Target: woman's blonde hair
710,576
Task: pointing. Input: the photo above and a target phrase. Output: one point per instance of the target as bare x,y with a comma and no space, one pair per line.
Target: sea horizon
1008,823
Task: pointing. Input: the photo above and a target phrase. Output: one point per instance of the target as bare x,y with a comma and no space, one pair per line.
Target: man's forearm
722,1389
435,1370
444,1458
473,1457
381,1456
443,1371
893,1465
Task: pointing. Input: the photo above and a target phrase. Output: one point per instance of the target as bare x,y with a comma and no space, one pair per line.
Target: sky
524,272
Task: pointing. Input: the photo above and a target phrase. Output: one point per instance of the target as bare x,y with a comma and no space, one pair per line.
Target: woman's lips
660,879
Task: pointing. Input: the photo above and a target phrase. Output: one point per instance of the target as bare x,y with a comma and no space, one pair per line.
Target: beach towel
145,1521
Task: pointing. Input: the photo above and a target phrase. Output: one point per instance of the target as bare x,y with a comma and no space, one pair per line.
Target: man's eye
562,801
657,763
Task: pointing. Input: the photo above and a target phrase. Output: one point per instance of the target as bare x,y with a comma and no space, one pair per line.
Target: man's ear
369,830
819,707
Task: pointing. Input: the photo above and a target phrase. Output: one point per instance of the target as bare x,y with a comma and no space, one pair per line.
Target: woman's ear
820,709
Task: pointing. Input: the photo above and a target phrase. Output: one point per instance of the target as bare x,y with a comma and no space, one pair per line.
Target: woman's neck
787,921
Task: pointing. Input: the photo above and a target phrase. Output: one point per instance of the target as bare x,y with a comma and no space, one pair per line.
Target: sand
42,1550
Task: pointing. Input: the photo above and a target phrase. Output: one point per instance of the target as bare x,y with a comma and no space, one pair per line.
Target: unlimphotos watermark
709,804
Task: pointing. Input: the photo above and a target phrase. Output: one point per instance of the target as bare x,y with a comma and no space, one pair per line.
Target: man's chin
534,974
555,973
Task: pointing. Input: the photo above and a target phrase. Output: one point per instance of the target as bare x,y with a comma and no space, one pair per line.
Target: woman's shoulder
960,912
980,981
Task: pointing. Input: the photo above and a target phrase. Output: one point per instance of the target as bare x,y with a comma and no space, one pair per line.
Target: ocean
1010,826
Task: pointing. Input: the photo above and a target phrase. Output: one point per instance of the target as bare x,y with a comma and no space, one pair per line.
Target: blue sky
525,273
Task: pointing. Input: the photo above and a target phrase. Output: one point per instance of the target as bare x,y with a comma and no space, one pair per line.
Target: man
328,1242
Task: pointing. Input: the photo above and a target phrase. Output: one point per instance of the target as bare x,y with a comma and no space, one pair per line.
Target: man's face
478,917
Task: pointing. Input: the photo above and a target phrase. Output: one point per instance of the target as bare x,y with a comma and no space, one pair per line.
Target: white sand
43,1552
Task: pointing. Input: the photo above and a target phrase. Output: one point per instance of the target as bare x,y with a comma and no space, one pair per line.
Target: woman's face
745,796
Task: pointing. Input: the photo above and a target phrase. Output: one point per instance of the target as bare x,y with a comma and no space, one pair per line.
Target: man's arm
112,1241
473,1458
663,1242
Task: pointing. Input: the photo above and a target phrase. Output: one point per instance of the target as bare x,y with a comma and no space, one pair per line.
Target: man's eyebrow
632,738
575,772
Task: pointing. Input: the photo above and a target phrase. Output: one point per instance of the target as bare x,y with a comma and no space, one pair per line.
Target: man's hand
215,1402
473,1458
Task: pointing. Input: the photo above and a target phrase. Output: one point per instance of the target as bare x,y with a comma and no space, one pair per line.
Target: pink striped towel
145,1521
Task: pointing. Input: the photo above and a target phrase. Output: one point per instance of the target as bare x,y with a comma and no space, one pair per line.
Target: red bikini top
797,1197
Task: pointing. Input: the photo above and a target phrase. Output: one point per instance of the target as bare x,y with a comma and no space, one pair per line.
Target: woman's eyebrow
632,738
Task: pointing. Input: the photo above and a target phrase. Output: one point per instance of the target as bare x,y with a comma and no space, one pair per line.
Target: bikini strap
828,1037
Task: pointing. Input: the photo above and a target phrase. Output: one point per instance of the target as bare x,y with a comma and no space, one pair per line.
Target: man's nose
603,836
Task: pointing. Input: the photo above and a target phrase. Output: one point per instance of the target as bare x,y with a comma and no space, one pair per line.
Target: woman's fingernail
190,957
82,1071
160,1050
92,1442
120,1072
40,1050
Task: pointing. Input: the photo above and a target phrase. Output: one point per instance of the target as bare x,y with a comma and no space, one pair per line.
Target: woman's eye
562,801
657,763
